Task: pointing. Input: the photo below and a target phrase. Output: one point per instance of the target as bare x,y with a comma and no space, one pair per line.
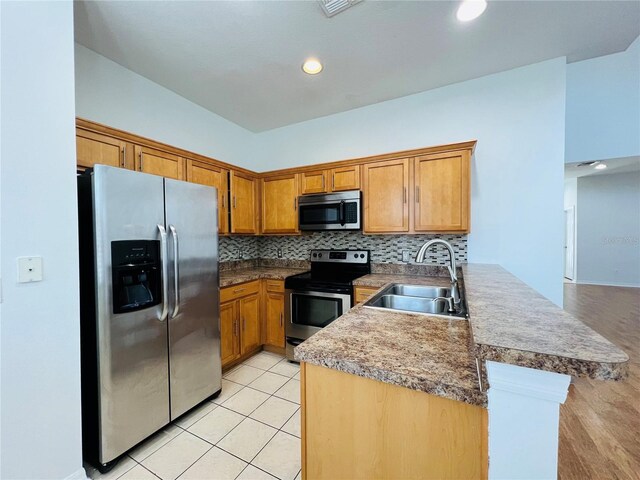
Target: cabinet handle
405,194
234,201
239,290
140,156
333,181
281,319
295,203
417,194
124,157
223,202
323,181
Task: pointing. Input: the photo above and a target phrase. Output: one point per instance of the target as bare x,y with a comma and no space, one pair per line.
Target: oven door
307,312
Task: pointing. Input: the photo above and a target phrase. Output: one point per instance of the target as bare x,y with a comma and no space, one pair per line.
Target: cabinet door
280,204
249,322
229,340
274,312
93,148
442,192
345,178
243,203
314,182
157,162
213,176
386,202
364,293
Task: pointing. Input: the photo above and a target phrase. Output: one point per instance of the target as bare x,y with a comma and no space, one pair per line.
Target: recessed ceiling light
470,9
312,66
601,166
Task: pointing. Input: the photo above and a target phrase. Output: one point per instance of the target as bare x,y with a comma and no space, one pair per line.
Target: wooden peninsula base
357,428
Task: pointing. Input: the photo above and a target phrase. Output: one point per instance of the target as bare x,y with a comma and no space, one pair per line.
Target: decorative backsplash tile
238,248
384,248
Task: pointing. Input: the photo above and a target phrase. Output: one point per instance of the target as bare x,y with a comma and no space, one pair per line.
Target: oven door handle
342,215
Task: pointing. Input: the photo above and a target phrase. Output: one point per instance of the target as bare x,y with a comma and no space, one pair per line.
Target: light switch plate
29,269
406,256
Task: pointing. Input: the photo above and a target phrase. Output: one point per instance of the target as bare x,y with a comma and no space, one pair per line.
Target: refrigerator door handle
176,272
165,273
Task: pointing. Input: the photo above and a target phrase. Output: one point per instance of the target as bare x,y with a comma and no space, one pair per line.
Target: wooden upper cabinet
386,196
345,178
94,148
157,162
205,174
441,196
243,196
280,204
313,182
331,180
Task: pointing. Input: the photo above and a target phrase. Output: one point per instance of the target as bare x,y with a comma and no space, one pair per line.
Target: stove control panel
340,256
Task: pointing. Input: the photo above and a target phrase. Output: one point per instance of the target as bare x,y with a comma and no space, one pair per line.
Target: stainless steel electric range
316,298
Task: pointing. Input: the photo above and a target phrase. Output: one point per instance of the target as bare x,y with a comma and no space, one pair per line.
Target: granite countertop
508,322
241,275
512,323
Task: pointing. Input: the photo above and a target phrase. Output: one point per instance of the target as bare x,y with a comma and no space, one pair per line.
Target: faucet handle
454,277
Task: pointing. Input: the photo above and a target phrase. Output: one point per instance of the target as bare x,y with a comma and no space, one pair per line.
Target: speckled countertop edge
242,275
527,329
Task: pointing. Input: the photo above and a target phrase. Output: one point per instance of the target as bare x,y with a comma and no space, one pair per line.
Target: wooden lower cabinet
229,342
249,314
239,320
364,293
274,313
358,428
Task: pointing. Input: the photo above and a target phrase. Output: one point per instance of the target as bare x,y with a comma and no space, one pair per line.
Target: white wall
517,178
40,426
603,107
570,192
609,229
113,95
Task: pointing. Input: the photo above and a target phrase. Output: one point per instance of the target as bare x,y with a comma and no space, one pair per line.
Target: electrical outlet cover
29,269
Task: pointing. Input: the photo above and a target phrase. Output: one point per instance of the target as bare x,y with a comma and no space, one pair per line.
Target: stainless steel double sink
421,299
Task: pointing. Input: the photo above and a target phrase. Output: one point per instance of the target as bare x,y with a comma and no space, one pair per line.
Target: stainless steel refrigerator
149,305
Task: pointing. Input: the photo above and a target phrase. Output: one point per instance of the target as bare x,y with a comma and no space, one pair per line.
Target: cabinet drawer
239,291
364,293
275,286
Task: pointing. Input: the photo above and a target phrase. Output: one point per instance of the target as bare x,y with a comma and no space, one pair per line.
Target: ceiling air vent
333,7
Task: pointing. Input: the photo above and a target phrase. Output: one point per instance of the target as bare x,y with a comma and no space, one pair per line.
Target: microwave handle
342,215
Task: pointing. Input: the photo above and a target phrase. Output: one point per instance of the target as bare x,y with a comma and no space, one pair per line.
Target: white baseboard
633,285
79,474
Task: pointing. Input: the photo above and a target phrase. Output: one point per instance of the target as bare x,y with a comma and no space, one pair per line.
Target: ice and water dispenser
136,274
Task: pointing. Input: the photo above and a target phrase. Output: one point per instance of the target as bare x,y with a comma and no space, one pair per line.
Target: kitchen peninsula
417,395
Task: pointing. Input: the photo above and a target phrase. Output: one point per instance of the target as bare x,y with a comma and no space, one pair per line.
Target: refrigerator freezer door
194,335
132,347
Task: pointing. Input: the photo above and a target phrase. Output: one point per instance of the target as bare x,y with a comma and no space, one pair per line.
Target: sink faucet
455,293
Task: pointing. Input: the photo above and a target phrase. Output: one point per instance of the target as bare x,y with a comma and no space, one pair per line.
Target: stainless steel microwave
330,211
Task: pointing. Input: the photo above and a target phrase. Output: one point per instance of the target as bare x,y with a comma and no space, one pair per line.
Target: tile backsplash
384,248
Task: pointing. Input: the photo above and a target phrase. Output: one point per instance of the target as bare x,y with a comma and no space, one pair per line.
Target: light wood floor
600,422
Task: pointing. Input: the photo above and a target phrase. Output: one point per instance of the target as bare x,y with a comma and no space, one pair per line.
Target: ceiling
614,165
242,59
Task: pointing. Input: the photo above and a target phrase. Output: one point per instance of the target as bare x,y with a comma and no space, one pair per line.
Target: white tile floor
250,432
